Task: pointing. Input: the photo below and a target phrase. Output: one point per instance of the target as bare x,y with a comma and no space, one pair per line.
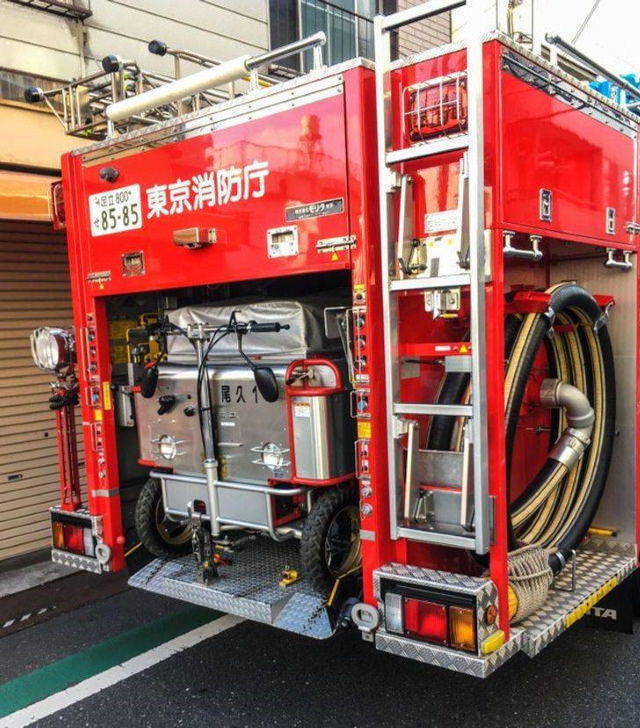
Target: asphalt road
253,675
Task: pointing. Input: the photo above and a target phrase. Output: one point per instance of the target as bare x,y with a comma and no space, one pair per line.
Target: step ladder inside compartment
409,466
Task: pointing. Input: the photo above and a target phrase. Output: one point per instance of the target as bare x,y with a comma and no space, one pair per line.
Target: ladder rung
419,12
445,539
424,284
452,410
428,149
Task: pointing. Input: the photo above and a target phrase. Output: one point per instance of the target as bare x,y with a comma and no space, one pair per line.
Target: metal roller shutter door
34,291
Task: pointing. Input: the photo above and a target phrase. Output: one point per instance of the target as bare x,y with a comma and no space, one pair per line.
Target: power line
585,22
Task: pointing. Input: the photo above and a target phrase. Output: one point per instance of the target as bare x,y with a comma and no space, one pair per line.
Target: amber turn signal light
462,629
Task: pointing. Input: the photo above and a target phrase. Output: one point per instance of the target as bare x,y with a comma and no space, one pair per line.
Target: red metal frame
70,499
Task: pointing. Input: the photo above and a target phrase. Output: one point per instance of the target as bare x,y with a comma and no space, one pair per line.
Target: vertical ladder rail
476,211
389,182
387,186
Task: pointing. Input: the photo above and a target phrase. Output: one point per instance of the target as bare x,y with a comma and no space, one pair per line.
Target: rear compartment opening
235,428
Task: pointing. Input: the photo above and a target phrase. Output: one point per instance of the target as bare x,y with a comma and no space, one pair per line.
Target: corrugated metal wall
34,291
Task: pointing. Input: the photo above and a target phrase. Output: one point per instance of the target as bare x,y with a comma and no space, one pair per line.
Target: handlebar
239,327
266,328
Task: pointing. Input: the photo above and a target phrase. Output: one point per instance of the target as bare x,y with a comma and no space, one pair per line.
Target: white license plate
115,211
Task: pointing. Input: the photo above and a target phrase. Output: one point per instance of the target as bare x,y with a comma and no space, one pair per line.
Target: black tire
332,508
149,519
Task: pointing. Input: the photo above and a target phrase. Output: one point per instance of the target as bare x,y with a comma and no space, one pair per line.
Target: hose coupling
570,447
580,417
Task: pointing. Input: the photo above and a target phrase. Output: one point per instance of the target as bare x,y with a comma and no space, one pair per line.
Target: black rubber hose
581,524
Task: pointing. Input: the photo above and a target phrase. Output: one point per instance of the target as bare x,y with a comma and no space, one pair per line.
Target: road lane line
76,667
118,673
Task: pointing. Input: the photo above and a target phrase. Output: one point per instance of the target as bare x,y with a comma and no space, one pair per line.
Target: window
348,25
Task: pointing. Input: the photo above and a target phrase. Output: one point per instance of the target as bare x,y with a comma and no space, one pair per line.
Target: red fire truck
351,342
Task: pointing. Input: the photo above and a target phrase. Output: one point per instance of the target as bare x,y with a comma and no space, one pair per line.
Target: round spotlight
168,447
52,349
272,456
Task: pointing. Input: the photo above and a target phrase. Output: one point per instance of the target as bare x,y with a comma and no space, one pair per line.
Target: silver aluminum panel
449,659
177,494
243,419
179,382
247,588
617,508
322,435
245,423
593,570
76,561
242,506
420,576
440,468
610,545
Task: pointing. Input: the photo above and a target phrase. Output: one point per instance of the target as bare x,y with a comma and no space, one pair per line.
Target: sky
610,36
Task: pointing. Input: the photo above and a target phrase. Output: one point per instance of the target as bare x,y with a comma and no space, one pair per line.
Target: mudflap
615,612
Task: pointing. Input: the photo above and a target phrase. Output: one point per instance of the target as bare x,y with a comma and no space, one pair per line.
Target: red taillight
427,620
74,539
71,537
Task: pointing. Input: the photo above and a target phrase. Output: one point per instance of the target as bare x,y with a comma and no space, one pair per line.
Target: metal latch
633,228
443,303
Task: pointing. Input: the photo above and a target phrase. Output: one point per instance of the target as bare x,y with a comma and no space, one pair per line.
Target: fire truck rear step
249,587
599,567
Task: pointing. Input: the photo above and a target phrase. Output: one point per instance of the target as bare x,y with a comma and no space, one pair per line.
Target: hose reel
553,513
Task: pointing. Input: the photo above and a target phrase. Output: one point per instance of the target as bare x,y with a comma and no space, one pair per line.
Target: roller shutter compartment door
34,291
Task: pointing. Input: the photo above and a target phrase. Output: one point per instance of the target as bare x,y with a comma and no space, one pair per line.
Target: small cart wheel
330,544
158,534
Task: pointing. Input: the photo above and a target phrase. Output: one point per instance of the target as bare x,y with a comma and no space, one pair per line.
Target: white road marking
24,617
113,675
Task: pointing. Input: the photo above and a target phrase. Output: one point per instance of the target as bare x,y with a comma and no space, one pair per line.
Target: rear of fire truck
348,346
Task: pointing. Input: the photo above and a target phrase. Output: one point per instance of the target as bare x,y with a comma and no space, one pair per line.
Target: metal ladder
478,537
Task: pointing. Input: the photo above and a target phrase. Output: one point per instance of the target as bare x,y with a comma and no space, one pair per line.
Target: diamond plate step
596,570
247,588
449,659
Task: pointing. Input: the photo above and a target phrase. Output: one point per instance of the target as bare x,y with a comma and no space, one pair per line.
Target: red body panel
306,157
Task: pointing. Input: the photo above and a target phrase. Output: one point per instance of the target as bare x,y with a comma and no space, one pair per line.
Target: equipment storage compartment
321,425
557,159
508,191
